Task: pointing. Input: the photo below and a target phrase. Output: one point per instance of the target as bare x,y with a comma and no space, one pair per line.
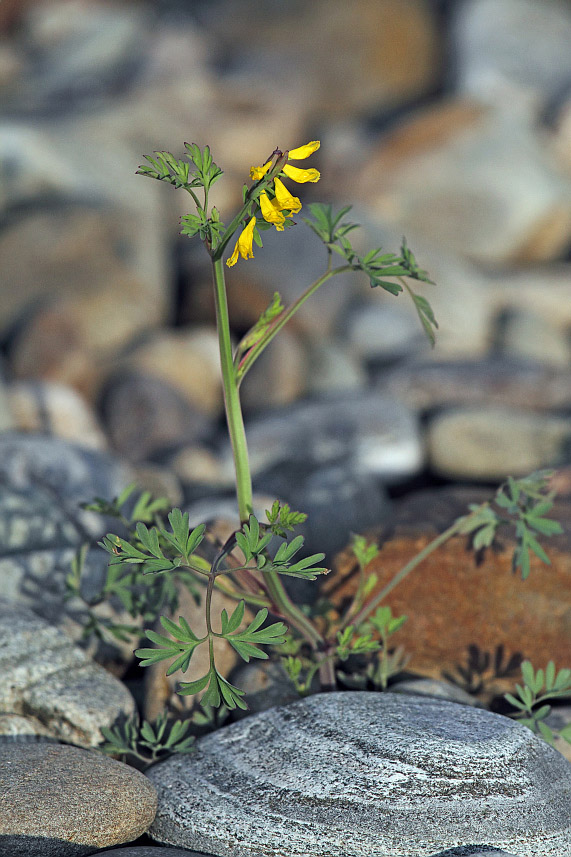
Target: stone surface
154,851
383,331
500,381
512,53
369,433
456,600
57,801
188,361
279,377
18,728
491,443
388,51
55,409
493,193
364,773
43,675
145,416
43,481
434,688
526,336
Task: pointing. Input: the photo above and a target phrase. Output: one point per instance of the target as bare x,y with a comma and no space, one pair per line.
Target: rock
278,377
152,851
31,169
144,416
491,443
522,216
559,718
43,481
512,53
525,335
542,291
337,500
266,686
45,676
362,773
368,433
58,801
383,331
18,728
459,603
473,851
160,688
333,369
54,409
498,381
79,52
198,466
388,52
188,361
433,688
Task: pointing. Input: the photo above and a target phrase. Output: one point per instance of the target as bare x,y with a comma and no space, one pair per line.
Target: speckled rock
153,851
364,774
58,801
43,675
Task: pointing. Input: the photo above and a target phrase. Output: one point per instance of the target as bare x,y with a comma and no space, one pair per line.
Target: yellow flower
301,176
271,211
284,198
257,173
303,152
243,244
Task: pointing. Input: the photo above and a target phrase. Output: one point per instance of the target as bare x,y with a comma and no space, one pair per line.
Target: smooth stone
543,291
43,482
57,801
188,361
512,53
45,676
498,380
523,216
337,499
333,369
370,433
497,616
366,773
491,442
383,331
279,376
526,336
55,409
434,688
145,417
153,851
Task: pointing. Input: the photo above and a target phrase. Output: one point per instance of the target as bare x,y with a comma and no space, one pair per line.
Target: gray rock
43,481
512,51
383,330
526,335
373,434
153,851
43,675
364,773
492,442
333,369
435,688
58,801
473,851
495,381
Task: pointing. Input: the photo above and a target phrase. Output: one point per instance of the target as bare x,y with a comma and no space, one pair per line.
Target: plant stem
456,527
254,352
231,396
283,604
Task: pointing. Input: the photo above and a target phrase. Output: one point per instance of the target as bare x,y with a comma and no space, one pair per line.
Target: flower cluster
276,200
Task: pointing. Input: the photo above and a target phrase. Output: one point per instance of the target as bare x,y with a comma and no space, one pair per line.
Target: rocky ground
448,122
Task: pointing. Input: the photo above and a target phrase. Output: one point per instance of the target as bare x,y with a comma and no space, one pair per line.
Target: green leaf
232,624
245,642
365,552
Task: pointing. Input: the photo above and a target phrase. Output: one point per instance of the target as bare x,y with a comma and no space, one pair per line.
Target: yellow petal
301,176
271,211
234,257
303,151
284,198
243,244
245,240
257,173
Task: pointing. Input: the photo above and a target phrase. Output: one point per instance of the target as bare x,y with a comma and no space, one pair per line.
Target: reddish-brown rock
456,599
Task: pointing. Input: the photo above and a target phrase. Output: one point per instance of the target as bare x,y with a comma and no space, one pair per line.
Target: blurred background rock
449,122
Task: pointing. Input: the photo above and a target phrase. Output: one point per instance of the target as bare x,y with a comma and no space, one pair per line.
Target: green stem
231,396
283,319
283,604
453,530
